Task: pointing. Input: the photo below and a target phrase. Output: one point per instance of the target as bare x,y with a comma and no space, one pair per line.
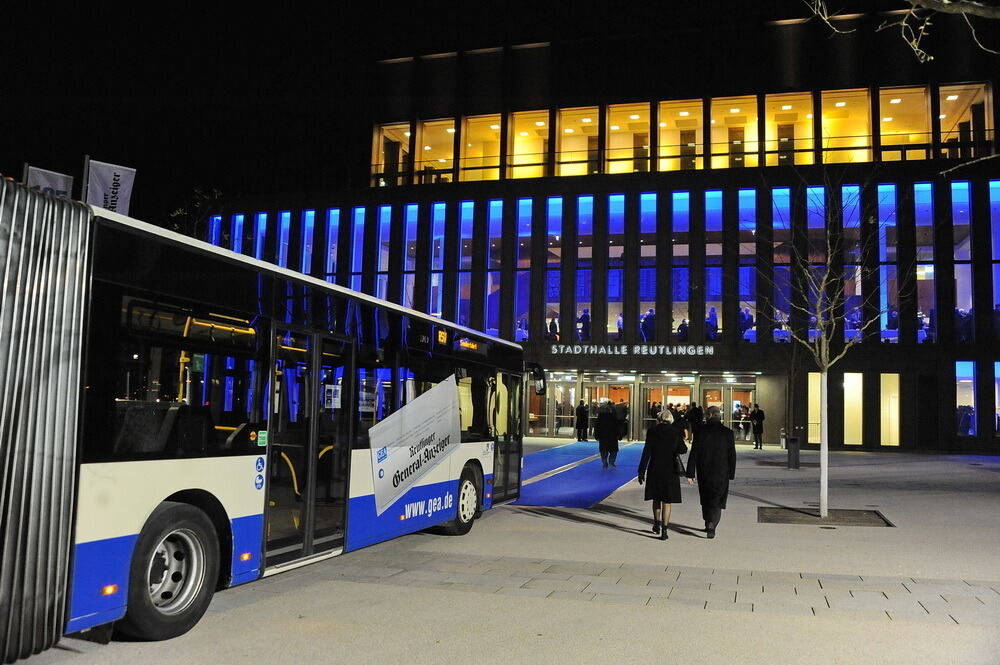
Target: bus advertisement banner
412,441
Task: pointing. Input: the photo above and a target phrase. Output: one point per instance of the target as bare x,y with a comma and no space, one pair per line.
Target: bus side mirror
538,376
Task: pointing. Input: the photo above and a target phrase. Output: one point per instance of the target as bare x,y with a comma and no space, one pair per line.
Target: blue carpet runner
579,487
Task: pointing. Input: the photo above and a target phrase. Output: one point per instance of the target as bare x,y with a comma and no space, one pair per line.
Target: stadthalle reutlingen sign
631,350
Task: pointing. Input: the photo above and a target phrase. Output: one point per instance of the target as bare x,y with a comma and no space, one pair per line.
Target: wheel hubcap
176,571
467,501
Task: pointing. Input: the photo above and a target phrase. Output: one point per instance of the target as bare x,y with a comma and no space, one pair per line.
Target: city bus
177,418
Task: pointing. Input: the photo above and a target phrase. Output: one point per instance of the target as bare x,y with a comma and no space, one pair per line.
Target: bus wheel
173,575
468,504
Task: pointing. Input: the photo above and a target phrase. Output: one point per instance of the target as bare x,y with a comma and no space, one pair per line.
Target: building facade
645,212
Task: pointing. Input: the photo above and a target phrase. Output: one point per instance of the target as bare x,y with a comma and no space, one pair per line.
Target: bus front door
308,441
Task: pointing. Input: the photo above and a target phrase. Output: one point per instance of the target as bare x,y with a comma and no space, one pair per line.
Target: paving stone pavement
802,593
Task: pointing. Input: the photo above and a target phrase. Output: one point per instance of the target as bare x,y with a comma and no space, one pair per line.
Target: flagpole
86,178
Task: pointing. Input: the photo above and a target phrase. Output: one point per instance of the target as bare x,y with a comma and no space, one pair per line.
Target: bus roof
257,264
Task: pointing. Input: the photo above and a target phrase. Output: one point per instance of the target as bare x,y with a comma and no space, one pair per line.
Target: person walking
606,433
713,463
657,468
582,421
757,421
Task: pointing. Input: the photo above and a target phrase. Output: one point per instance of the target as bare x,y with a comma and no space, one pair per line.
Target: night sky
252,104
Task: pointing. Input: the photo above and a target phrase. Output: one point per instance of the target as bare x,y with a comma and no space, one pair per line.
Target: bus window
178,384
375,400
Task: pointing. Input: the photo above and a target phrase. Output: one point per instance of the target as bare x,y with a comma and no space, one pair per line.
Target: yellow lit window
734,132
435,151
966,121
390,148
529,144
846,126
788,129
576,143
628,138
680,135
480,148
905,123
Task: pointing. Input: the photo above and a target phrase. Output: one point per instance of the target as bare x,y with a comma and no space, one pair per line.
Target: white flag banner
49,182
414,440
110,186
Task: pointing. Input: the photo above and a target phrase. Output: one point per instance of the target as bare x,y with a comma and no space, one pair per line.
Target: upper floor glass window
576,145
734,132
681,135
847,132
905,124
788,129
529,144
390,154
966,121
628,138
436,151
480,148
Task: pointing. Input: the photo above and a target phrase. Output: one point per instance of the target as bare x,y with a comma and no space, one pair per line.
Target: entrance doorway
309,445
619,395
735,401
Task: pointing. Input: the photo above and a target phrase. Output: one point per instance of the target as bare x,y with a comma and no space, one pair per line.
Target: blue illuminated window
923,213
960,207
332,241
410,218
747,315
616,214
260,234
237,233
524,233
713,210
713,304
746,212
384,230
437,235
493,302
647,212
887,222
284,229
214,229
358,240
681,287
495,229
553,228
466,212
781,208
308,224
713,226
681,220
995,220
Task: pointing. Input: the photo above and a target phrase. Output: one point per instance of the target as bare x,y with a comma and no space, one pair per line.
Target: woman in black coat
606,433
664,441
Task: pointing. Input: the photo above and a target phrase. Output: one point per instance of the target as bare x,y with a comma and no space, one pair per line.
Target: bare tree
916,22
191,218
836,286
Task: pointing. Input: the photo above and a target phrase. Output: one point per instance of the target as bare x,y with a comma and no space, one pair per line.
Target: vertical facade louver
44,277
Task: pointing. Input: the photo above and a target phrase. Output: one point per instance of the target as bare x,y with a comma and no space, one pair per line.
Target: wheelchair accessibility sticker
260,465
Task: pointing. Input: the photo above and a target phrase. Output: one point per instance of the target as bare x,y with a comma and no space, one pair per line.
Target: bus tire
173,574
468,504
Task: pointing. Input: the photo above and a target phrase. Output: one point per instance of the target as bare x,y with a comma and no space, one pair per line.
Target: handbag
679,465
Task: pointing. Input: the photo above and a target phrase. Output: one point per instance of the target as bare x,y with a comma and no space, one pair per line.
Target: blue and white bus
177,418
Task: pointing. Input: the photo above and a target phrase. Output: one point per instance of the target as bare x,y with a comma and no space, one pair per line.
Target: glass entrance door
735,402
309,446
619,396
507,450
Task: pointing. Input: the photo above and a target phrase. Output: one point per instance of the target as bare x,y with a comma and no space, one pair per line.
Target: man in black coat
582,421
757,422
695,418
713,462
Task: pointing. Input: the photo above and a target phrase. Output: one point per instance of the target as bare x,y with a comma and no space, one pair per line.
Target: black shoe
710,529
711,534
656,527
663,533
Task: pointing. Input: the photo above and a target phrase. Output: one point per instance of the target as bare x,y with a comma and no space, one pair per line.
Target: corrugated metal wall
43,268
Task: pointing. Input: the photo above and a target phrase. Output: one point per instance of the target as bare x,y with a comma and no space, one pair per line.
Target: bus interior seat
143,427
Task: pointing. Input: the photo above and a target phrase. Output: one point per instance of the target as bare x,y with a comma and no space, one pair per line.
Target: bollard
793,452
